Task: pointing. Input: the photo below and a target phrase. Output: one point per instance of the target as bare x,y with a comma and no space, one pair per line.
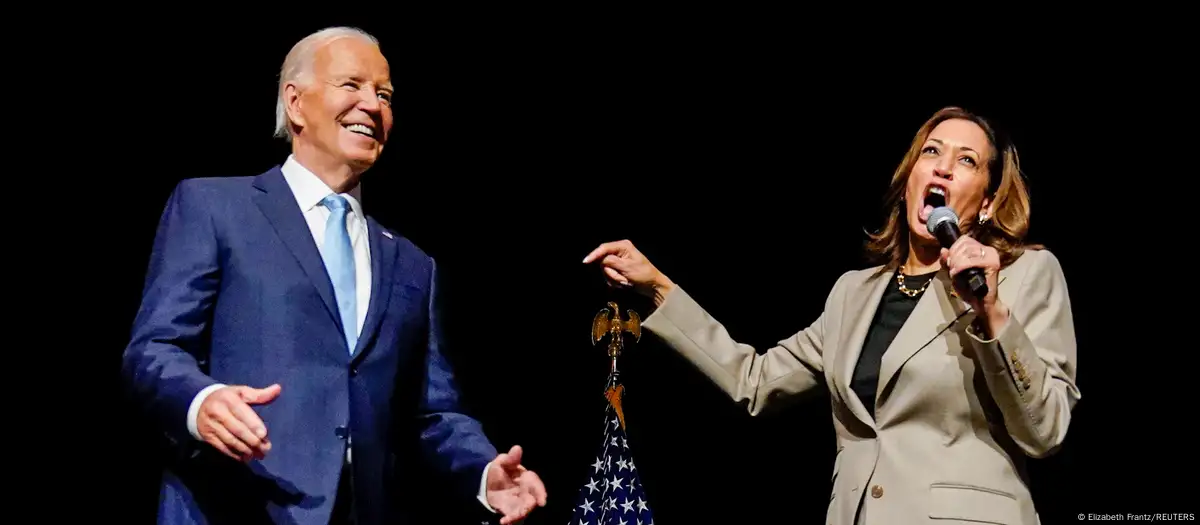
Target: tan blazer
956,414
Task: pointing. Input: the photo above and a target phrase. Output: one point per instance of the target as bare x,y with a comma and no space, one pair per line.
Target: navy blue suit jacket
237,293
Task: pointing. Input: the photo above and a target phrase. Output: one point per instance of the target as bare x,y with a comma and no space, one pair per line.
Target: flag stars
628,505
616,482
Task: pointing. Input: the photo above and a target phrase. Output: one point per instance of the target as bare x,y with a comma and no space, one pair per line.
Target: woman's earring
982,218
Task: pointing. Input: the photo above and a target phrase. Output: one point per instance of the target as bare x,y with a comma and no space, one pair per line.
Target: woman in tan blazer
937,396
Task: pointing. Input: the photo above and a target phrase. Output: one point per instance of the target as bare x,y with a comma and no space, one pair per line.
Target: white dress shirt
309,190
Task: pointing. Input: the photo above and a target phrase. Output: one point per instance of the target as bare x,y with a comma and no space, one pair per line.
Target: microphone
943,224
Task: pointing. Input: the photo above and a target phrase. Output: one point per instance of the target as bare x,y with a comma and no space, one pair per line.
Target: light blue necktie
339,261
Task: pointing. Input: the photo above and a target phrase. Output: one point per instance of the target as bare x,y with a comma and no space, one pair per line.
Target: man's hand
511,489
227,422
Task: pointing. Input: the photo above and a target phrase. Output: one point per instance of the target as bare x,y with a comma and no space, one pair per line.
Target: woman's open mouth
935,197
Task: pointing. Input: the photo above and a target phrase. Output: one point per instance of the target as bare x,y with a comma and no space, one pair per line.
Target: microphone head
940,215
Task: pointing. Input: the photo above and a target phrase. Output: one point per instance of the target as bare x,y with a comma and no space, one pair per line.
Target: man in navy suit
286,343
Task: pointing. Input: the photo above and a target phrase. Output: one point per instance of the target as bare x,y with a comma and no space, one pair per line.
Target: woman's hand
625,266
966,253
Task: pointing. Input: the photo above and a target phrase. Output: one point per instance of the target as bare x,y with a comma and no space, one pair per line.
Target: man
287,344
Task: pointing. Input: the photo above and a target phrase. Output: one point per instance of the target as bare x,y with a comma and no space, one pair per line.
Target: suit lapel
865,301
279,206
383,257
938,310
928,319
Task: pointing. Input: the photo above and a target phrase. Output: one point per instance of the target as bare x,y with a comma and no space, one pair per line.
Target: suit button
341,432
876,492
353,372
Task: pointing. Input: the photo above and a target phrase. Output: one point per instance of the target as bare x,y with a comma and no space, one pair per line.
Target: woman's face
950,171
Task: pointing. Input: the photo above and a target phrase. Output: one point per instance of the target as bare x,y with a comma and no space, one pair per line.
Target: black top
893,310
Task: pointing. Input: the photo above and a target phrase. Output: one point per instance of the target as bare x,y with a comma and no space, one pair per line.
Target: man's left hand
511,489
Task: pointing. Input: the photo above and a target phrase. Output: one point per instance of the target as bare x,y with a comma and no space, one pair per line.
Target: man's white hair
297,67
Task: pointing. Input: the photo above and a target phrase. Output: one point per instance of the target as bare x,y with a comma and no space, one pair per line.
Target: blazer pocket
974,504
407,290
408,297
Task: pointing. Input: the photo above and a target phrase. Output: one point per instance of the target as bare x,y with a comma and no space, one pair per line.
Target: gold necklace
905,290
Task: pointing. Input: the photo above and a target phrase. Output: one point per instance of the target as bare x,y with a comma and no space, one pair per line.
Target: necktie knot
335,202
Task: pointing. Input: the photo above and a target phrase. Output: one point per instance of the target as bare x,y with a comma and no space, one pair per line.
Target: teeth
363,129
937,191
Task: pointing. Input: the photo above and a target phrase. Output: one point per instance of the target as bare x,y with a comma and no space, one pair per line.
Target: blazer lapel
279,206
383,257
928,319
938,310
864,301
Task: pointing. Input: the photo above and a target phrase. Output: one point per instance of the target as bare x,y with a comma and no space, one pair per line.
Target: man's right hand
227,422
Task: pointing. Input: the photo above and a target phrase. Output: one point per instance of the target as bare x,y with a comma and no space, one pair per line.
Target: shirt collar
309,189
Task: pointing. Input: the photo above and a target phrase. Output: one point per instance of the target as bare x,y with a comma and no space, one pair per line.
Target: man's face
345,111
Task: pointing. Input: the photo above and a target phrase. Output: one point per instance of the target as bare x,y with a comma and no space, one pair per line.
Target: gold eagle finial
608,322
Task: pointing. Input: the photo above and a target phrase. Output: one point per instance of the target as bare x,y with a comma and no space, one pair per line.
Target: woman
937,395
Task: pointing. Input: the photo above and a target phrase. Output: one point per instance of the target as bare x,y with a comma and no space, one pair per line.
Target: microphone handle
975,281
972,278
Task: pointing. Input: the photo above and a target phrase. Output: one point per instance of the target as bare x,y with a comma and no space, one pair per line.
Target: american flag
613,494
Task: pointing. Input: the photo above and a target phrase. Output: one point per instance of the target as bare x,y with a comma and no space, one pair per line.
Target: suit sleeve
1029,365
160,365
453,441
793,366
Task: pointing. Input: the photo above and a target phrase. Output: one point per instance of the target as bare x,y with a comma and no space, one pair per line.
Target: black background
744,160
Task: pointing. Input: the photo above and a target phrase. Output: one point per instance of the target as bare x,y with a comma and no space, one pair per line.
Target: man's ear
292,102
